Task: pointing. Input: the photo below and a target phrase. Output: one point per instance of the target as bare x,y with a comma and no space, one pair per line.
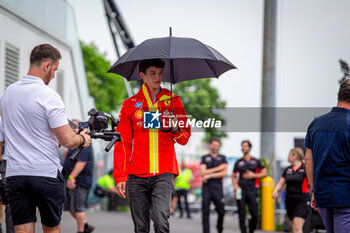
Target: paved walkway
118,222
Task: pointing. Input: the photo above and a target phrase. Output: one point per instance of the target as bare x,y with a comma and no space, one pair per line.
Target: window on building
60,83
11,64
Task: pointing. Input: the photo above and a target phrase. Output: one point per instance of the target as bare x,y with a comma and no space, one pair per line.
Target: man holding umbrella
145,158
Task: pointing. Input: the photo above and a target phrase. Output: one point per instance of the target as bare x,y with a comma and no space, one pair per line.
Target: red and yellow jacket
147,152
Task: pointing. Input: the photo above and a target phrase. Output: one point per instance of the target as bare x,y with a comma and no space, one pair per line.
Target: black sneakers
88,228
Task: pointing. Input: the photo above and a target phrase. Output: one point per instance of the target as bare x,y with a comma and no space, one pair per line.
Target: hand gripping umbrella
185,59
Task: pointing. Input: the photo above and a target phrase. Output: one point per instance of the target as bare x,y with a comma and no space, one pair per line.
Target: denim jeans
150,198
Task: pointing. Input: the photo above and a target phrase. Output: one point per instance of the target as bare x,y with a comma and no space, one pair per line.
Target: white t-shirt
30,110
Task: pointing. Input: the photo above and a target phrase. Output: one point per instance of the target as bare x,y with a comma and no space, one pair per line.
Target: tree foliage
199,98
107,89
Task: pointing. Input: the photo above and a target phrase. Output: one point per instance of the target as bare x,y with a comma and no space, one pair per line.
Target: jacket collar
145,92
338,109
251,158
301,167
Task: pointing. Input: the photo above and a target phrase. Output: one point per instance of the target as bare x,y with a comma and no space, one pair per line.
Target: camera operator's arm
67,138
122,149
57,120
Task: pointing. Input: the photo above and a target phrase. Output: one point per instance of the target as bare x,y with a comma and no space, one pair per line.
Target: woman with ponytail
297,191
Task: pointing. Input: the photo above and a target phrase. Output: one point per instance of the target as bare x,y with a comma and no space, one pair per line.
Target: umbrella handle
171,93
165,130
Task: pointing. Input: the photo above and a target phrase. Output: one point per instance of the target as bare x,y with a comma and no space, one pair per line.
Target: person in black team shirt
297,194
213,168
79,184
250,170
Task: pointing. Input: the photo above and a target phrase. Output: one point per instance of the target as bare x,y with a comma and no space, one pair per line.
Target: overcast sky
311,37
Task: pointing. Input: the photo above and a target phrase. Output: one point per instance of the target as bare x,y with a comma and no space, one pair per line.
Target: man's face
152,77
49,69
214,147
245,148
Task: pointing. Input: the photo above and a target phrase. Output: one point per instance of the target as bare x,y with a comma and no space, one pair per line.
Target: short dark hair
248,142
215,139
44,52
110,172
145,64
344,91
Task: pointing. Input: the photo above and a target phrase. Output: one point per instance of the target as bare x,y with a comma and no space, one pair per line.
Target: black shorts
297,207
76,199
25,193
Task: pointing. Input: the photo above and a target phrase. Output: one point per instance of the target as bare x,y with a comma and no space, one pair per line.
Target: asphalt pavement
121,222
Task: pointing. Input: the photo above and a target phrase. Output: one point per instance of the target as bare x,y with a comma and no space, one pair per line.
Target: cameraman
35,123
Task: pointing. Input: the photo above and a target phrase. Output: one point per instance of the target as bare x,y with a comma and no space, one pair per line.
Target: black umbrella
185,59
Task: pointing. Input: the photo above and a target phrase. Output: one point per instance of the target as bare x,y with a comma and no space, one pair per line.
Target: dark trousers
9,223
150,198
112,201
248,198
336,219
215,194
182,193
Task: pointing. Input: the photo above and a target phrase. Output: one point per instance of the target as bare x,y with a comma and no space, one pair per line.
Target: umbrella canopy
190,58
